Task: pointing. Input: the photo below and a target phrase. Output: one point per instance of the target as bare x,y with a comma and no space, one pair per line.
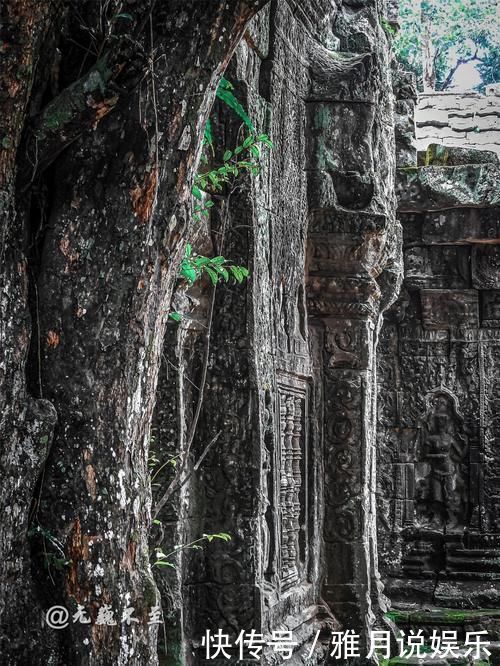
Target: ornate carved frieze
437,267
346,344
437,412
351,297
343,402
291,479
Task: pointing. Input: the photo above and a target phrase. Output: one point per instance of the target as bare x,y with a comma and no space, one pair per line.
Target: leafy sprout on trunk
244,158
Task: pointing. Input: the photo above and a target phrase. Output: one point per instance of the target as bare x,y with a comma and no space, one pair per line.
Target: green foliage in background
460,31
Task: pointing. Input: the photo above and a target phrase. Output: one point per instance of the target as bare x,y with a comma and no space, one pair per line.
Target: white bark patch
122,495
185,140
98,571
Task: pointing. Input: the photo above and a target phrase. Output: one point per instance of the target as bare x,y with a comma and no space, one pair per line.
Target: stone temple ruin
349,431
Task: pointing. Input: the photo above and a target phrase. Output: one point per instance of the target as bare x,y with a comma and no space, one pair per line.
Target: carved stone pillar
353,273
343,307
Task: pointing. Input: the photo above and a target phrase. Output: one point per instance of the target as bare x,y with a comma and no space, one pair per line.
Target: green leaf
223,535
188,250
236,273
227,155
175,316
208,133
189,273
128,17
248,141
163,563
222,271
195,191
218,260
225,95
201,261
255,151
212,275
239,272
226,84
156,521
209,204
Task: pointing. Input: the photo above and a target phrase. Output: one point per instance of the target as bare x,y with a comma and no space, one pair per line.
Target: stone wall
467,120
438,452
315,455
290,382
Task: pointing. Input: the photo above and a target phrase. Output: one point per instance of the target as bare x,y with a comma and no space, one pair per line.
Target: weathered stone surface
438,443
453,226
405,92
294,465
439,188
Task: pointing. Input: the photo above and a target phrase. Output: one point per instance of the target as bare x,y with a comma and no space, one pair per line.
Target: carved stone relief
441,491
291,480
438,435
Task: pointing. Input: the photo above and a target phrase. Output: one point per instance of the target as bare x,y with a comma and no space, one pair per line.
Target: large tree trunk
26,423
109,242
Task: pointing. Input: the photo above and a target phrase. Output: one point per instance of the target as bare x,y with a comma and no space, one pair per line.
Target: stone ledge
439,188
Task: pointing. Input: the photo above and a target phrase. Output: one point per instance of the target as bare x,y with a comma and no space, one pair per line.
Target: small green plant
162,558
389,29
245,157
155,465
193,266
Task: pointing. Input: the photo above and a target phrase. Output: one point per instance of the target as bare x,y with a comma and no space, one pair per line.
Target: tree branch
452,72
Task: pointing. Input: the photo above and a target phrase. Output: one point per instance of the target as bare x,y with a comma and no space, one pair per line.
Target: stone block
449,308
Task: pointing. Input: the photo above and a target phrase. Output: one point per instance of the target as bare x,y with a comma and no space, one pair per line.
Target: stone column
353,269
343,300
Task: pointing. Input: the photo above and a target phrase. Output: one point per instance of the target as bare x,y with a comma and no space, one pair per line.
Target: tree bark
117,219
26,423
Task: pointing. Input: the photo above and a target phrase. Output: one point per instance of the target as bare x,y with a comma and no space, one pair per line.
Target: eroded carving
441,490
292,479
